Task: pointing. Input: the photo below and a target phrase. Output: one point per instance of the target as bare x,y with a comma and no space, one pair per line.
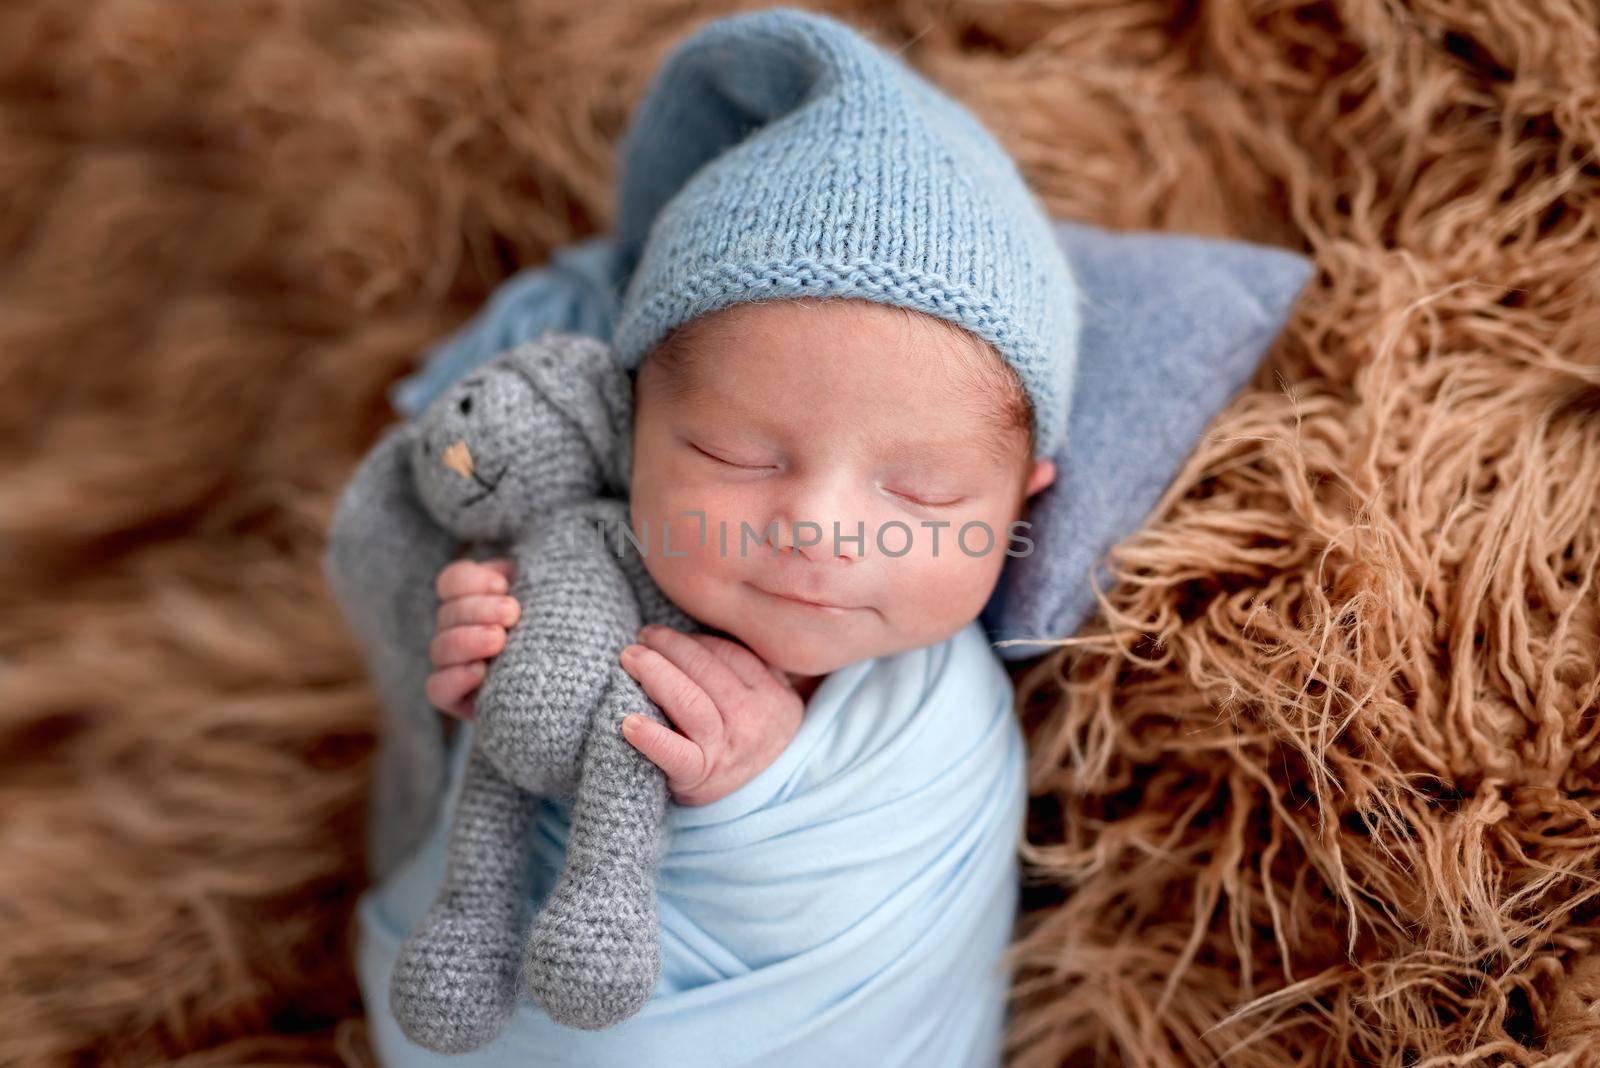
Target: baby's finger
461,645
697,662
463,578
680,697
478,608
681,759
750,668
451,689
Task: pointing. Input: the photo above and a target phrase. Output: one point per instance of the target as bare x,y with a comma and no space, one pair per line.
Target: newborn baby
854,339
798,435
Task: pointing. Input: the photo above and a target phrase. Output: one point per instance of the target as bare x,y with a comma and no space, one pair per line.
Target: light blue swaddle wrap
852,902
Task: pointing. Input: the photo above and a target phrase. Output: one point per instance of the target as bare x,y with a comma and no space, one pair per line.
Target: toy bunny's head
546,422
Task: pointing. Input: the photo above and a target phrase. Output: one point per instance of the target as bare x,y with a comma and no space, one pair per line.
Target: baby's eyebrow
937,453
946,447
992,441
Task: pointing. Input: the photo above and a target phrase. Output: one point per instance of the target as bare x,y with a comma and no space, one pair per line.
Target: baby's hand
736,713
474,613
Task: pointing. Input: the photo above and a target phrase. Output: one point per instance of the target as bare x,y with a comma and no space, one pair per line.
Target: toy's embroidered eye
466,404
729,463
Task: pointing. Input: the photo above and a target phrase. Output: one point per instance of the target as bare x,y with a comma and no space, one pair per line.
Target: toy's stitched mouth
488,487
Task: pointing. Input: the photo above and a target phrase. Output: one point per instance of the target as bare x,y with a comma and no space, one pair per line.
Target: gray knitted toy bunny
531,453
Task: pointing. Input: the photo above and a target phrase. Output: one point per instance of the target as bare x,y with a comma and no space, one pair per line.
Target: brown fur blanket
1321,785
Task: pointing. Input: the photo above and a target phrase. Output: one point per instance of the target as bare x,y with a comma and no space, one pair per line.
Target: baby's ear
581,378
1041,475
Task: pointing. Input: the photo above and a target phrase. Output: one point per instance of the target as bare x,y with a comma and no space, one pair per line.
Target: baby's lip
820,602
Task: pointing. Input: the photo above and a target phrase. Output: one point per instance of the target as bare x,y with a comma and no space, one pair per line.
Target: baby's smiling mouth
824,606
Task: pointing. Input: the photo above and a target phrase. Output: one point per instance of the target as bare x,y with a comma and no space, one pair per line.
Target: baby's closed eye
910,485
929,499
722,459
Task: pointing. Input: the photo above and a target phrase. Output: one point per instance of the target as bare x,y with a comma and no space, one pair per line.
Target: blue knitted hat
780,153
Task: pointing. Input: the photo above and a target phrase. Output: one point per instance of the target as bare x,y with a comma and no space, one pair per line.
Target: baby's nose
804,543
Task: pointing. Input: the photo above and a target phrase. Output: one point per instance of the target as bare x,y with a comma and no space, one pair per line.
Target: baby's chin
812,650
799,647
798,652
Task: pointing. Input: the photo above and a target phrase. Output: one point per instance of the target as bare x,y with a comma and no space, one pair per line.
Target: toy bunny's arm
380,562
455,983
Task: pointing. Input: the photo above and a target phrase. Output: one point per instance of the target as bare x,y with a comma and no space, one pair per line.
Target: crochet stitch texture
527,456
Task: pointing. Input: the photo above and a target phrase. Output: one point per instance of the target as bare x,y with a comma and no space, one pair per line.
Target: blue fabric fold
1173,326
852,902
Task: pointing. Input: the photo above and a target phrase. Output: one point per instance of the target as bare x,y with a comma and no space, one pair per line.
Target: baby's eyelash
918,501
951,503
730,463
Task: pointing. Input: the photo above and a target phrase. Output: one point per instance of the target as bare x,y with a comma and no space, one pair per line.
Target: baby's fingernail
630,723
509,610
629,652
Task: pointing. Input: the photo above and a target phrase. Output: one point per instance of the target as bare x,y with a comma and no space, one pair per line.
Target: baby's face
829,412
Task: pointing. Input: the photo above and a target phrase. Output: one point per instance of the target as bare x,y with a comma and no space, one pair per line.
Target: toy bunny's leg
595,951
454,985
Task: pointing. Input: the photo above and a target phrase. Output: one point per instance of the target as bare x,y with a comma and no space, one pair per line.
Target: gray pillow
1173,327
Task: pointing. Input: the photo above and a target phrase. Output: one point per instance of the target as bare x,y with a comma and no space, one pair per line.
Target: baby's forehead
925,371
929,347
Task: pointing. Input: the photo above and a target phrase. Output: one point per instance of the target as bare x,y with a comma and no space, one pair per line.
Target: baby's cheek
934,596
685,570
696,511
685,548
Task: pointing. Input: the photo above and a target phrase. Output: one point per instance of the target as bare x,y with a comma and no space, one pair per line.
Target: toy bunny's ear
580,376
383,554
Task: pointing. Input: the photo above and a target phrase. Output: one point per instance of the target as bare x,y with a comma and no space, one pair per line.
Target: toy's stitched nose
458,458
